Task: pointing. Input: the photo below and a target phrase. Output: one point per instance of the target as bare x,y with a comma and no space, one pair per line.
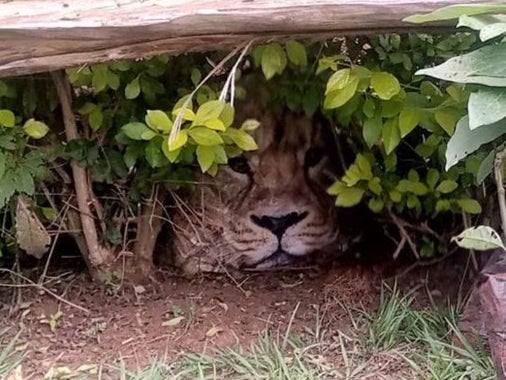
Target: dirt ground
171,315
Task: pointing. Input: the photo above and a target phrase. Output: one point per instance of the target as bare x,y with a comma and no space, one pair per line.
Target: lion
267,207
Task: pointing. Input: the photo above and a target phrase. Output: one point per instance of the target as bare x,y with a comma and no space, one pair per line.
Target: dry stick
498,167
60,226
405,238
98,255
32,284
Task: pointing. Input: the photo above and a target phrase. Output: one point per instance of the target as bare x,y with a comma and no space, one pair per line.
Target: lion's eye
239,165
313,157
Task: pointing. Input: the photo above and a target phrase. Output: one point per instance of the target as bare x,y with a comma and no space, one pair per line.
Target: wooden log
41,35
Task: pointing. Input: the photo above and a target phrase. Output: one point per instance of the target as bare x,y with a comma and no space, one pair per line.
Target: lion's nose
278,224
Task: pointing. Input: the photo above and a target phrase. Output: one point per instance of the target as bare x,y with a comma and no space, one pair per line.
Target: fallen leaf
213,331
173,322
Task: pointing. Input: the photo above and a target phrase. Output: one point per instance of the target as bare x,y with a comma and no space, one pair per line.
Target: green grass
396,342
438,350
10,357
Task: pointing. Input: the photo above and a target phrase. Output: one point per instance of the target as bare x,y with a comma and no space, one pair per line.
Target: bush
140,127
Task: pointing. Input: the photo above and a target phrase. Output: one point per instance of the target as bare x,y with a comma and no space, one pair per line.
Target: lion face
265,208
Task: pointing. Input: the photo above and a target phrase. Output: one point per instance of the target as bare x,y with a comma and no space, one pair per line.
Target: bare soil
134,324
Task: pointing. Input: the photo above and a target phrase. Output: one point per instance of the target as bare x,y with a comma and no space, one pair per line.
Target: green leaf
480,238
371,130
213,170
179,140
337,98
205,136
492,31
369,108
364,165
196,76
133,89
336,188
7,118
220,156
171,155
376,204
413,175
209,110
35,129
148,135
188,114
385,85
375,185
408,120
2,164
100,78
227,115
486,106
24,181
205,157
447,120
49,213
352,175
113,80
338,80
7,189
395,196
87,108
432,178
455,11
96,118
391,108
486,167
491,26
154,154
482,66
478,22
242,139
134,130
447,186
296,53
443,205
349,197
250,125
132,153
457,93
391,135
158,120
273,60
470,206
465,141
215,124
407,186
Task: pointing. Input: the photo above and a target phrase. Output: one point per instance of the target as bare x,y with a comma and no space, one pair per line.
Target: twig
399,248
405,238
179,118
32,284
55,239
289,327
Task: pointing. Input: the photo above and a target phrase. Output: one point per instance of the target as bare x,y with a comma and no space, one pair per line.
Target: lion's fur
214,228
